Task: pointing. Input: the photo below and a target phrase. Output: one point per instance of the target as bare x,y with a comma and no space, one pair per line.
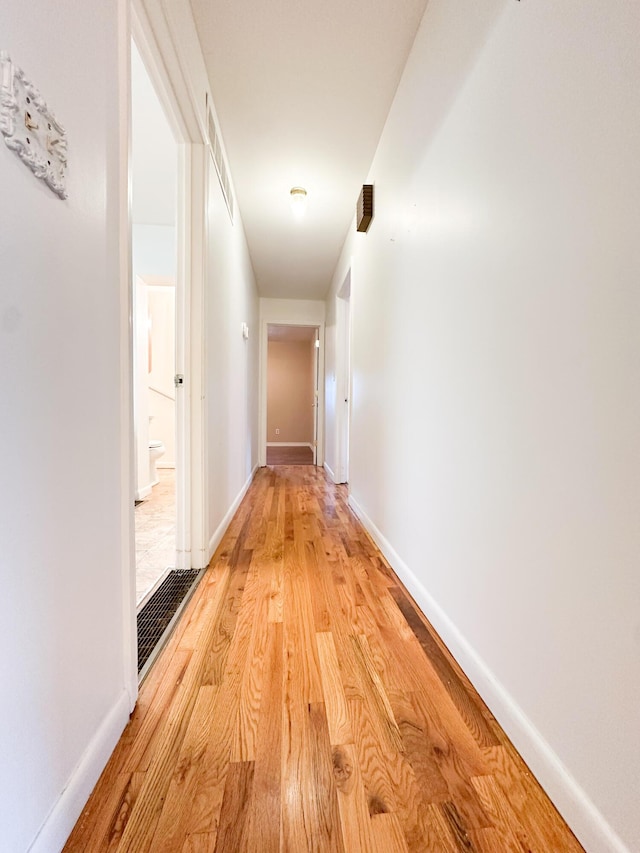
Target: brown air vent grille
364,210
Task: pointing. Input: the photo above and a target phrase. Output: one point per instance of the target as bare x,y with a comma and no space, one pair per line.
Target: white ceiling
302,90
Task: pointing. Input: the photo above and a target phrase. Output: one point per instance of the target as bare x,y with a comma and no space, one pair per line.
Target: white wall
154,249
140,325
337,376
61,635
162,391
153,255
292,312
496,376
232,362
154,173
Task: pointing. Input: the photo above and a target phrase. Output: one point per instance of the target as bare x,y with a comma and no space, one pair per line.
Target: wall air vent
364,210
217,155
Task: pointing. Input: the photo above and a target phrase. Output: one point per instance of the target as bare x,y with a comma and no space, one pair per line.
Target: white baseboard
330,472
586,821
226,521
63,816
290,444
144,492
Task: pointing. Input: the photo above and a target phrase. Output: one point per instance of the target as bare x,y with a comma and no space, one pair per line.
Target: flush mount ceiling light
298,197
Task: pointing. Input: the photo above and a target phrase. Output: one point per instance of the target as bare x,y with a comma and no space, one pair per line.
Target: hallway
303,704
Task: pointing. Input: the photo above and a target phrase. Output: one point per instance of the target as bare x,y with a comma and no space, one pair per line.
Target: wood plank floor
304,704
285,455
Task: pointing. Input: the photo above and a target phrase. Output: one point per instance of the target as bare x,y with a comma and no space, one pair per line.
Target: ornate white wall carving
30,128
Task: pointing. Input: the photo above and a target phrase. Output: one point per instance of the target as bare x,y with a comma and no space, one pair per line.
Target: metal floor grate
160,609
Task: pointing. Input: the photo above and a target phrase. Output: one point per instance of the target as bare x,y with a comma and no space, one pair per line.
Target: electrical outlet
277,432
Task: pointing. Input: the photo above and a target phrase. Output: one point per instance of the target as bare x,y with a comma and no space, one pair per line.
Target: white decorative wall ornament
30,128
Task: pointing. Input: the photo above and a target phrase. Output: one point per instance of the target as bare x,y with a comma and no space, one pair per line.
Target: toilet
156,450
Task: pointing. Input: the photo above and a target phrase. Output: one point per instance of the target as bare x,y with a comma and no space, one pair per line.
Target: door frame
344,325
288,320
149,28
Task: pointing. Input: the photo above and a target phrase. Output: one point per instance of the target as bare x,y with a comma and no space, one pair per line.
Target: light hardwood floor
304,704
283,455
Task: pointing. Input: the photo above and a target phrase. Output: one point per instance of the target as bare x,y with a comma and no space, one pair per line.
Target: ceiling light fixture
298,196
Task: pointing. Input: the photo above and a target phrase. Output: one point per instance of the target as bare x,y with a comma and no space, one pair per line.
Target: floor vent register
156,615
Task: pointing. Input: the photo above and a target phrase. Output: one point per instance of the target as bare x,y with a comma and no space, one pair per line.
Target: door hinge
178,379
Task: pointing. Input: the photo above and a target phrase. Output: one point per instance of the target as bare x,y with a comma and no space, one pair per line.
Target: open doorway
154,176
162,345
161,340
292,394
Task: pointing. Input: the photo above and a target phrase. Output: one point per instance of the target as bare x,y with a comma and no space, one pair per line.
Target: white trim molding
290,444
127,448
226,521
144,492
330,472
68,807
586,821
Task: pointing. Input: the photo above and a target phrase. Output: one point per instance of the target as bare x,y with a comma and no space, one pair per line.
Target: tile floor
156,533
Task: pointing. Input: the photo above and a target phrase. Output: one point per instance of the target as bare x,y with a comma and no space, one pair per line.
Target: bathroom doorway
163,229
154,241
